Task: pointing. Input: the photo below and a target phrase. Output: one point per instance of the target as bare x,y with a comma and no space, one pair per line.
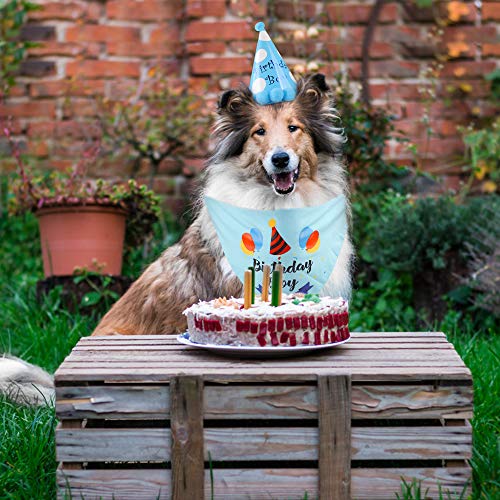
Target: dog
285,155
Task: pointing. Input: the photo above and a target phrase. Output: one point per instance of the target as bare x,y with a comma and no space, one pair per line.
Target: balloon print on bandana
251,242
309,240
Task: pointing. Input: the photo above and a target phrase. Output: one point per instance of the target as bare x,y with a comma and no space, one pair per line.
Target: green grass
45,333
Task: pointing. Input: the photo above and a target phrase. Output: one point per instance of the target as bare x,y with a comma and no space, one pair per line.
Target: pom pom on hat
271,81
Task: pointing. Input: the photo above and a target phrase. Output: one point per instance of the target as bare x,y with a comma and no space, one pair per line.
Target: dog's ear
232,101
315,106
313,90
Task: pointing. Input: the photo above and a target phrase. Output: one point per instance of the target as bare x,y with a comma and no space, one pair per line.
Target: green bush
413,235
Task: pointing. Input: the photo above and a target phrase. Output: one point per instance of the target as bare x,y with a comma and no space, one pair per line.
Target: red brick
470,34
79,107
143,49
296,11
467,69
65,49
206,47
18,90
68,11
201,86
406,91
60,88
223,30
378,50
491,49
145,10
39,109
391,34
101,33
491,11
331,68
165,33
220,65
202,8
254,8
38,148
359,13
478,87
457,110
248,48
102,69
41,129
394,69
445,127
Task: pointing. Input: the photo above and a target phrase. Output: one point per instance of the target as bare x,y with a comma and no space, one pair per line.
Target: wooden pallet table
144,417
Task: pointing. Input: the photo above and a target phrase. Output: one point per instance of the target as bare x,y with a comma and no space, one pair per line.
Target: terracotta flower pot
89,236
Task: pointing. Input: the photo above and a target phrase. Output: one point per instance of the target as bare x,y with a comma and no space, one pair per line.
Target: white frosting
227,314
264,310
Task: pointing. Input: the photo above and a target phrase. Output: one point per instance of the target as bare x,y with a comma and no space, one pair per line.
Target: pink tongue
283,181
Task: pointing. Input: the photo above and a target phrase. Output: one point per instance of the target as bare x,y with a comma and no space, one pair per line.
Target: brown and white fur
241,172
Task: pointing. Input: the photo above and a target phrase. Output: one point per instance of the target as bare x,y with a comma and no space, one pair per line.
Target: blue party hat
271,80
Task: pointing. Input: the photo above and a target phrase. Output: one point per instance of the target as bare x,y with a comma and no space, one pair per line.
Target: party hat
271,80
278,245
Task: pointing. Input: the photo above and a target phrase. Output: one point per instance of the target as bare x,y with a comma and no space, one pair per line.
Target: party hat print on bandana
278,245
271,80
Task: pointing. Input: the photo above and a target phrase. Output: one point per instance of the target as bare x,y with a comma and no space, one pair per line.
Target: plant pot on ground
84,223
88,236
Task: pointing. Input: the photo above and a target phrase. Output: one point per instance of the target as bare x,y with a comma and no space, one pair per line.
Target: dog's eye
293,128
261,131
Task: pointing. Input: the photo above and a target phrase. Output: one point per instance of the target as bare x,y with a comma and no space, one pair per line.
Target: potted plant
83,223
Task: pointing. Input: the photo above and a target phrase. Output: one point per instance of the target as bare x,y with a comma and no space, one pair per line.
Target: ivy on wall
13,16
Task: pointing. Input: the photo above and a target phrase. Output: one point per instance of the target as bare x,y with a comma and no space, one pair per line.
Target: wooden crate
145,417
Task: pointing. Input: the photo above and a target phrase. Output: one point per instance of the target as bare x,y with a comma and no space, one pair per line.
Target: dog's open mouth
284,183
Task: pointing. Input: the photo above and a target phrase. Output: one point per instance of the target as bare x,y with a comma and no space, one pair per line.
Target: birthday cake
301,319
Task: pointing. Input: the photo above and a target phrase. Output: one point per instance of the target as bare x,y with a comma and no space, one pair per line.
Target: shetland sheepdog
285,155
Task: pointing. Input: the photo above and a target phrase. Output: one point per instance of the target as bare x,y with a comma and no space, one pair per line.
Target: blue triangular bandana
306,241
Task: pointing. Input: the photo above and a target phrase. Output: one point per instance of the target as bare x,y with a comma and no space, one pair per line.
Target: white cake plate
236,351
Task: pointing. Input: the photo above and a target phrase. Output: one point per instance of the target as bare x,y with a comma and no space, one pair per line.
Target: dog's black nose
280,160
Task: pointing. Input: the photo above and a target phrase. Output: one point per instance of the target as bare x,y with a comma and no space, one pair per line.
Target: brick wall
90,48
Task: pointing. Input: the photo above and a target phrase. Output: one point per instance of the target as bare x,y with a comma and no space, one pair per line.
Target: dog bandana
306,241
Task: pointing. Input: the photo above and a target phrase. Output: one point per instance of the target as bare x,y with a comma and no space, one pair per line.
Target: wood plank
186,396
331,356
368,443
168,350
265,443
173,338
265,401
334,433
225,375
113,445
140,402
369,484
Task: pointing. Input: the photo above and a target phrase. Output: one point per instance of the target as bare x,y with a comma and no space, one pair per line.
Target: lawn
44,333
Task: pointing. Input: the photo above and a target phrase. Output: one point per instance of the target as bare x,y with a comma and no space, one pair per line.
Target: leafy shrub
13,16
367,130
155,120
483,148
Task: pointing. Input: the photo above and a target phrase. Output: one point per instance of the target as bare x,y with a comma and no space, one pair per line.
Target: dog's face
277,145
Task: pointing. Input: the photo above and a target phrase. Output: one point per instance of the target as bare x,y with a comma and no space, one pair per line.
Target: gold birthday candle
247,289
266,278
